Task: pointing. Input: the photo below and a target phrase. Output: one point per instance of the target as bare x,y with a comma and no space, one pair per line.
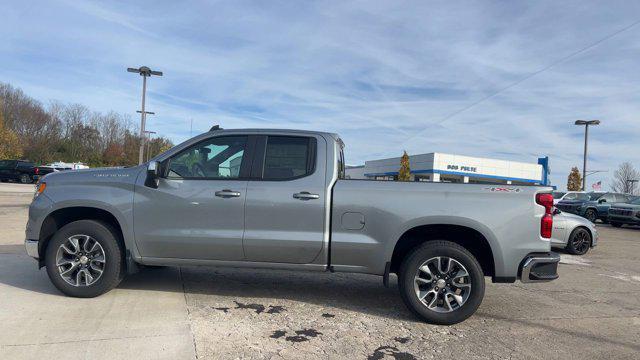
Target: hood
571,216
83,176
625,206
572,202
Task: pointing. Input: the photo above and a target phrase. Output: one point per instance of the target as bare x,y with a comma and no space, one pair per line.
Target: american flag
597,186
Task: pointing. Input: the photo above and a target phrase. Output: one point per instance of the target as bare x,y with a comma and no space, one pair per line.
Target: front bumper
539,267
32,248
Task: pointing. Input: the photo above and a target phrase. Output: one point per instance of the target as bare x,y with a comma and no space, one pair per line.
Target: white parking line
574,260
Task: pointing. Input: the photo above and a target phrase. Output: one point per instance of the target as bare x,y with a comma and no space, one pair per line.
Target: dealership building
439,167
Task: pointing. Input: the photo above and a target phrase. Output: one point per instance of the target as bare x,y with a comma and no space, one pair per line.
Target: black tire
616,224
579,241
591,215
25,179
113,270
440,248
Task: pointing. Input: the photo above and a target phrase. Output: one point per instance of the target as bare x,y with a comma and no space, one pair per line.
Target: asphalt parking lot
592,311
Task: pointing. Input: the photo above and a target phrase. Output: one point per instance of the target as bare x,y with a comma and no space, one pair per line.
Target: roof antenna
215,127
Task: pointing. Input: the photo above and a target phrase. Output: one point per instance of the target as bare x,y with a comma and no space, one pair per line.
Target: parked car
573,233
278,199
18,170
625,214
565,195
593,205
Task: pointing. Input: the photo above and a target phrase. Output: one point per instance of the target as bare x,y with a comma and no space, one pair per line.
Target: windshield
558,194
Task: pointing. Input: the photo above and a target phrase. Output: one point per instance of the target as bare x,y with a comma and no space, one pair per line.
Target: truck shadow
352,292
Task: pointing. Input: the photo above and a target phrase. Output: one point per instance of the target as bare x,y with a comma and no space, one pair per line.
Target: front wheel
579,241
591,215
441,282
84,259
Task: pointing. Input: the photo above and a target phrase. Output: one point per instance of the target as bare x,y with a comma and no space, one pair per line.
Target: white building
439,167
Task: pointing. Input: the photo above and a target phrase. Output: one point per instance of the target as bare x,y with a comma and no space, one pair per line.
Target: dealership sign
462,168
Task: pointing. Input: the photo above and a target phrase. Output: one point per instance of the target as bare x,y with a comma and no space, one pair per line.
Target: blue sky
387,76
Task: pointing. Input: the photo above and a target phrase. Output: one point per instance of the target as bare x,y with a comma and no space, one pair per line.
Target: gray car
573,233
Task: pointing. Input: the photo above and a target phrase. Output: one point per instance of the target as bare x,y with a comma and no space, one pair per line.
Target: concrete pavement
592,311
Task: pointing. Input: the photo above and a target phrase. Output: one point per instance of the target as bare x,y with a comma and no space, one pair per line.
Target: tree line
67,132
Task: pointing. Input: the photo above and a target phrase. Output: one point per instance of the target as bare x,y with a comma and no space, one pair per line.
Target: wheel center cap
441,283
84,260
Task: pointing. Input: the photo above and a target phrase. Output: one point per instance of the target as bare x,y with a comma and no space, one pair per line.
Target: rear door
285,207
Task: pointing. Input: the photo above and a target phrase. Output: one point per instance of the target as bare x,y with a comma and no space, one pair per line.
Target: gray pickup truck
279,199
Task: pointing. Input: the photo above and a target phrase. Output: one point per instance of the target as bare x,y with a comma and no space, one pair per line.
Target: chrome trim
531,261
32,248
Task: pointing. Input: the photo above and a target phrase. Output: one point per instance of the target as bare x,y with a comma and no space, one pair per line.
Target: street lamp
144,72
149,133
586,124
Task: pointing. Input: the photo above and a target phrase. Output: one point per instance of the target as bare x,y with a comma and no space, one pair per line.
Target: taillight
546,223
37,171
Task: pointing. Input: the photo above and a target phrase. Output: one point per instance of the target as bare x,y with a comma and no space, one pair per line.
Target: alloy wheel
80,260
580,241
442,284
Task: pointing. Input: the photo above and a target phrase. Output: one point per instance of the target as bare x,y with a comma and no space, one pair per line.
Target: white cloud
376,72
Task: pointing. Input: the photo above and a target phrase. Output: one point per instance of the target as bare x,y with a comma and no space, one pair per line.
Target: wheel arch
591,234
478,241
60,217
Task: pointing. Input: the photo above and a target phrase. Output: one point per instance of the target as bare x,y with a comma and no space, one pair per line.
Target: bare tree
625,179
67,132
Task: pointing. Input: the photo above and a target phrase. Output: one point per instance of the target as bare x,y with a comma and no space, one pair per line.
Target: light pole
149,133
144,72
586,124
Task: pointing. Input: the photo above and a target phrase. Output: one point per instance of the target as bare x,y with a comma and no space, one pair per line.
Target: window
621,198
288,157
608,198
559,194
215,158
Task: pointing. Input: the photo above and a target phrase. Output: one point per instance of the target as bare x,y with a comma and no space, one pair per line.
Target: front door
197,211
285,208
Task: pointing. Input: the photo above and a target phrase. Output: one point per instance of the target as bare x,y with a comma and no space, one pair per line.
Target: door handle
226,193
305,195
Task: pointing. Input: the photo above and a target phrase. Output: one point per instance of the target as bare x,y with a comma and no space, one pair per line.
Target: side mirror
556,211
153,175
602,201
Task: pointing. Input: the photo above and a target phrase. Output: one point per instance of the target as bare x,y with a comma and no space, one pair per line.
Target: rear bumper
539,267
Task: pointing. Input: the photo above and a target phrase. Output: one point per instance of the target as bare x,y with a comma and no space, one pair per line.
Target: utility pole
586,124
145,72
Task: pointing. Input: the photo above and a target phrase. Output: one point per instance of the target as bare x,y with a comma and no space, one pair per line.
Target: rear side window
7,164
288,157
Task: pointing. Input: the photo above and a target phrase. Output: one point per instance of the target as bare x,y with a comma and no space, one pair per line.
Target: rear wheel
25,179
591,215
441,282
84,259
579,241
616,224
